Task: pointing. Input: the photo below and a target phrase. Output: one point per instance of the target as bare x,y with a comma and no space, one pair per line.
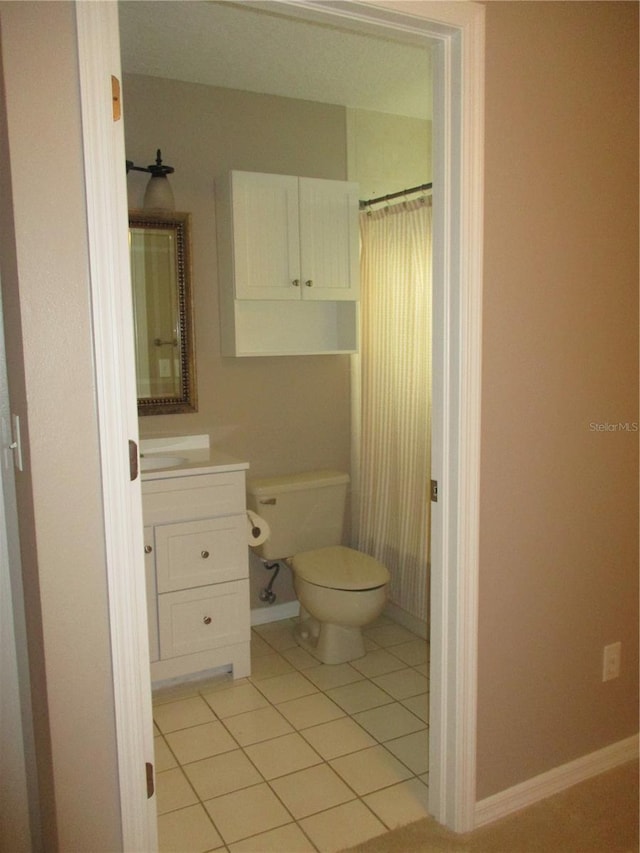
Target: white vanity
196,558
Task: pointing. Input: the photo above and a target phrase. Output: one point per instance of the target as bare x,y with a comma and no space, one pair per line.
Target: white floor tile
187,829
412,750
401,804
246,813
418,705
370,769
237,700
181,714
258,646
279,635
198,742
299,658
164,758
285,839
359,696
342,827
266,666
389,721
402,684
310,710
173,791
377,663
414,653
292,685
282,755
339,737
222,774
326,677
389,635
258,725
312,790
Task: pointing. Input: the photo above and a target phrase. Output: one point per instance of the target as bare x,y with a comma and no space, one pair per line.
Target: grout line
317,691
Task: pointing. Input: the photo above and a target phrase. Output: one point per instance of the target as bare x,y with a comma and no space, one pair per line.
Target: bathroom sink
152,463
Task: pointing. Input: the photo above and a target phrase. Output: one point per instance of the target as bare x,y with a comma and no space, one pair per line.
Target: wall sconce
158,195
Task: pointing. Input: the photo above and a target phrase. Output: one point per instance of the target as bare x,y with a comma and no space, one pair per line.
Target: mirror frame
187,400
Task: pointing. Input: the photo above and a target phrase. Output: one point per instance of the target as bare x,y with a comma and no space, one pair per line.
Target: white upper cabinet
288,258
294,238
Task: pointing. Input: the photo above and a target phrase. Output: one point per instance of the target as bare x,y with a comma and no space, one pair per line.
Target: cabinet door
195,553
152,598
266,243
329,239
194,620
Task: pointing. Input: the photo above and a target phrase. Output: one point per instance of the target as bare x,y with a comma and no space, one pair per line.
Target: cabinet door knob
207,620
309,282
204,554
296,282
148,549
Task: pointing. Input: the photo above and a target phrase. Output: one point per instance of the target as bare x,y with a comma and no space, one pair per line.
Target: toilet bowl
340,590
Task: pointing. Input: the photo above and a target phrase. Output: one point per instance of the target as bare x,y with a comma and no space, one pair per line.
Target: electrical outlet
611,661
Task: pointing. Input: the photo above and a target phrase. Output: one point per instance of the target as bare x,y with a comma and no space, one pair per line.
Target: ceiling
260,50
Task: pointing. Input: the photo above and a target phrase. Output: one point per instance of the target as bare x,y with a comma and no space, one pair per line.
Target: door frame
455,33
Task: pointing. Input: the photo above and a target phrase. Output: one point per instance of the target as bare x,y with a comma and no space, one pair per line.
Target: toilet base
330,643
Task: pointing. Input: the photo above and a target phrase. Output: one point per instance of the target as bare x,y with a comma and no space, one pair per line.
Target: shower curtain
392,465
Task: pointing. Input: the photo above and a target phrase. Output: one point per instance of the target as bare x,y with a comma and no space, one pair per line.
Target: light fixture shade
159,195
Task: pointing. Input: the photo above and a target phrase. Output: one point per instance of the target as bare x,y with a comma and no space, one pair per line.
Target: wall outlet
611,661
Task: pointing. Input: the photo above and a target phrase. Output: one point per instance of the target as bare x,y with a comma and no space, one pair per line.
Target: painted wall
51,384
559,497
283,415
387,153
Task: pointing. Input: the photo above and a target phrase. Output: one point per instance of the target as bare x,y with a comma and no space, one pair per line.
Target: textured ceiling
234,46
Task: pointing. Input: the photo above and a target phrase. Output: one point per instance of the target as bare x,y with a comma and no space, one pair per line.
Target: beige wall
387,153
284,414
559,501
51,383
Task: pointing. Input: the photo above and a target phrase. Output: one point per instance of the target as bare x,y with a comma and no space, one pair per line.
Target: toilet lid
340,568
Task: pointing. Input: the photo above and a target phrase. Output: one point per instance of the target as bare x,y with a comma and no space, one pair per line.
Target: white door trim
455,30
107,221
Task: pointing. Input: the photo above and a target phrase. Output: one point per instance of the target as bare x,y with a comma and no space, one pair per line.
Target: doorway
456,32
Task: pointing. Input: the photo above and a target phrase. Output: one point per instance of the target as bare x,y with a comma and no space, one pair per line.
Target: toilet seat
337,567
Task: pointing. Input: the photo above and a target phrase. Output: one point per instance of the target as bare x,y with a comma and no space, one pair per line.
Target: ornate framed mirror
160,257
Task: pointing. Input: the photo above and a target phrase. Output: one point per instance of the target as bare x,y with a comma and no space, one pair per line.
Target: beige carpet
596,816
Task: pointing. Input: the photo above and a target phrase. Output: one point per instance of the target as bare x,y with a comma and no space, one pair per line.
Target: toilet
340,589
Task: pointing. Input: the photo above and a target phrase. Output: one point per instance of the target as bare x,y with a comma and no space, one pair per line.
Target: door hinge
115,98
434,491
150,783
133,459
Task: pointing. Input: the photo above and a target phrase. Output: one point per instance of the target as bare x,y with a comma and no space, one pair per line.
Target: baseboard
407,620
287,610
540,787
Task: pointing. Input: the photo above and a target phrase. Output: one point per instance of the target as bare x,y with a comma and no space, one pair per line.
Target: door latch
434,491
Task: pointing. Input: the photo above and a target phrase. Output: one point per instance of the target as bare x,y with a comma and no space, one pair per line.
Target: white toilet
339,589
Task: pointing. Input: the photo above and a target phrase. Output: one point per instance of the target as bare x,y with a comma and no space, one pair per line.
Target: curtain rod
422,187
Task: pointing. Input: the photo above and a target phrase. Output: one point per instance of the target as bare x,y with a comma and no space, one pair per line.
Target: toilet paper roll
257,529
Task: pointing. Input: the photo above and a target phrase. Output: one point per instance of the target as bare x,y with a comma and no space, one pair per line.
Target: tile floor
300,756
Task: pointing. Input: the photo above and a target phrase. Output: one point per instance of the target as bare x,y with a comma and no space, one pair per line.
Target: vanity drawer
204,618
201,496
196,553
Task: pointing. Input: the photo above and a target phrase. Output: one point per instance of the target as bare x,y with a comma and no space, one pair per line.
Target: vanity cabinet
196,560
288,264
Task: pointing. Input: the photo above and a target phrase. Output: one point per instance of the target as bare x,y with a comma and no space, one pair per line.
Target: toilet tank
303,511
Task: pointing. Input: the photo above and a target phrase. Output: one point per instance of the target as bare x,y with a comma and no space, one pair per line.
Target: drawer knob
148,549
204,554
207,620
